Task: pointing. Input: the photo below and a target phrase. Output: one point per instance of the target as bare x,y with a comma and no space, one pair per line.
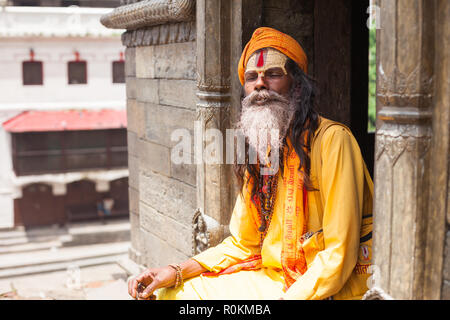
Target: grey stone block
166,228
174,198
133,168
158,253
147,90
163,120
446,272
130,87
445,294
175,61
145,62
130,62
136,117
179,93
185,172
154,157
132,143
133,196
135,231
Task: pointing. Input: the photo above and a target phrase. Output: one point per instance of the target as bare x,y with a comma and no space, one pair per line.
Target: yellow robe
337,261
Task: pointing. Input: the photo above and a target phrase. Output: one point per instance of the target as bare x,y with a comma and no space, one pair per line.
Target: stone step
71,235
30,246
58,266
46,260
11,233
98,233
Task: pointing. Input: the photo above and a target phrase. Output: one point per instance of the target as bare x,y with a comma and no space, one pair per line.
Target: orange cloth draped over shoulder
265,37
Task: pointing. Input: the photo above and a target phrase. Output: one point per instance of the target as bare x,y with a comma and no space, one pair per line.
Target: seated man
301,232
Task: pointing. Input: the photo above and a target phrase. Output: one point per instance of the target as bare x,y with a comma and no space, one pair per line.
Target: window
32,73
27,3
118,71
77,72
68,151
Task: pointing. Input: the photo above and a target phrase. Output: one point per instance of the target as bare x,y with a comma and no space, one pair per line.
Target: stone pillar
408,236
213,115
160,67
438,264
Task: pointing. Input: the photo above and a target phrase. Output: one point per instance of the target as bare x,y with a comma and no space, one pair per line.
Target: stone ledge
149,13
162,34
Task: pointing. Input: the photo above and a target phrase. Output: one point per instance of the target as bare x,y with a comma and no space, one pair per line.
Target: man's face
266,70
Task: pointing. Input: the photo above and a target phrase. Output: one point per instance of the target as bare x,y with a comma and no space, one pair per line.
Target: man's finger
149,290
134,284
130,286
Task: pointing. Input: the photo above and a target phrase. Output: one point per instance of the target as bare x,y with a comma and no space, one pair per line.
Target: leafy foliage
372,79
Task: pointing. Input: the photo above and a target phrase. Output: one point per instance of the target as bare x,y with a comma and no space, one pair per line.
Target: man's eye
273,75
251,77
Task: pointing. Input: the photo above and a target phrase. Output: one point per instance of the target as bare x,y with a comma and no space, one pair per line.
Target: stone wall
161,97
295,18
445,295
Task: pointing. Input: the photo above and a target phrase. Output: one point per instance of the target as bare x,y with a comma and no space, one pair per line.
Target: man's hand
143,286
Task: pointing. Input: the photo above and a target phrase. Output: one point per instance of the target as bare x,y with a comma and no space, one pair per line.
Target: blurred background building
62,104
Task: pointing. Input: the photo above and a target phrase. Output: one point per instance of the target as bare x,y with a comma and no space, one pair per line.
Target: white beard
274,112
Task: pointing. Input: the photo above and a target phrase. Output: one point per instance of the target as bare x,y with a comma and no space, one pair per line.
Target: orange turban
265,37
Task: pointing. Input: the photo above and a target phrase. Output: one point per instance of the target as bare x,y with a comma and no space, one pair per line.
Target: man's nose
260,82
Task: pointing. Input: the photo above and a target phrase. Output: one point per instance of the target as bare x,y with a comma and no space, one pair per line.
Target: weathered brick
147,90
175,61
135,231
136,117
133,169
179,93
130,62
145,62
154,157
169,196
133,196
166,228
158,253
132,143
445,294
185,172
130,87
446,273
163,120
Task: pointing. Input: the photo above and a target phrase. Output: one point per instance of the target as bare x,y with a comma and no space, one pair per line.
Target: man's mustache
260,97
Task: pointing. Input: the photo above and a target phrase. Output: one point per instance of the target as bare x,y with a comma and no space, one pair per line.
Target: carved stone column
405,70
213,113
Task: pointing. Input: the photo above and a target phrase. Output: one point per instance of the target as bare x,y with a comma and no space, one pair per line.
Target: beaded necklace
265,201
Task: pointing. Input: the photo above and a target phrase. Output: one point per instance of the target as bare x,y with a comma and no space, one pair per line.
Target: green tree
372,79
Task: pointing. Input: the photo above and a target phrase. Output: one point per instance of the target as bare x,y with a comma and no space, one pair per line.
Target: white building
54,59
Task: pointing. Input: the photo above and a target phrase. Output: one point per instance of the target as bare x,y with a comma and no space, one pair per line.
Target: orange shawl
295,221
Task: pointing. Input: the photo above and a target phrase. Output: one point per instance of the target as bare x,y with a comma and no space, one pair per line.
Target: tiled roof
30,121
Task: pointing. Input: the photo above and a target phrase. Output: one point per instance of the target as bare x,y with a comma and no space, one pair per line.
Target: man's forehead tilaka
264,59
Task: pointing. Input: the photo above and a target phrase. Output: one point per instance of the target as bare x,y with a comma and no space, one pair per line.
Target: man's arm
243,242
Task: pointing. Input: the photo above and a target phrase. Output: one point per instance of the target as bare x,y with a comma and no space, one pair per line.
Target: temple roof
32,121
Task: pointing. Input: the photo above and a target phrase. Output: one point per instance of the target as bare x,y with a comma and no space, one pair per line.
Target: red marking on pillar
77,56
260,59
121,56
31,55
